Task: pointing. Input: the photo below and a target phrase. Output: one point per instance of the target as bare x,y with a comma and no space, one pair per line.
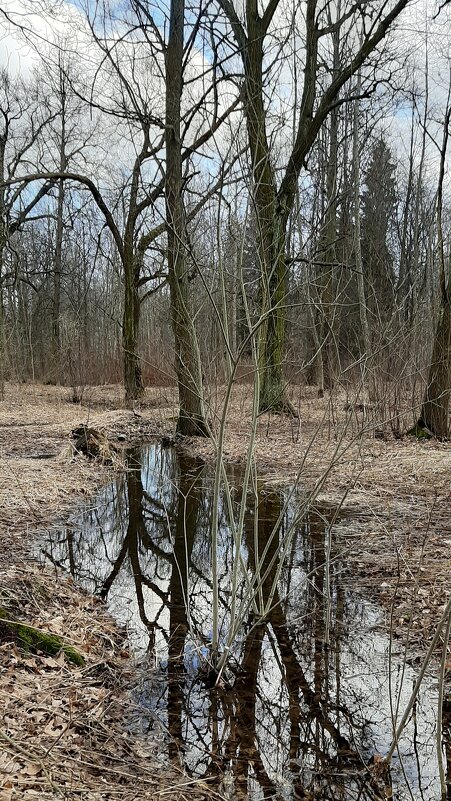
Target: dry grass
398,490
387,467
38,479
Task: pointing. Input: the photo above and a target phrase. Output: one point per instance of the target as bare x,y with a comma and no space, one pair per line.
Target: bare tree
368,374
274,199
21,125
191,419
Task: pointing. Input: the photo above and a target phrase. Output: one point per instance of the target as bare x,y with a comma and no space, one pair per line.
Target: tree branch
81,179
309,126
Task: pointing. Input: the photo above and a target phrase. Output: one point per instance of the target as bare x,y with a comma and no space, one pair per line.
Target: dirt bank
62,728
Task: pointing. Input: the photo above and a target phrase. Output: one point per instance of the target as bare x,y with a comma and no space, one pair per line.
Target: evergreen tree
379,201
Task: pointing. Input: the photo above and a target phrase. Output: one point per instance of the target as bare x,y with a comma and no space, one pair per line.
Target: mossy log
33,639
420,431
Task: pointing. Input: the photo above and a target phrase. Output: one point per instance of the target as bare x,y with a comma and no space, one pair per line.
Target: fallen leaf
31,769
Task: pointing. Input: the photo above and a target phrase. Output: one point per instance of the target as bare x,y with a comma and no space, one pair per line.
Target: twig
36,761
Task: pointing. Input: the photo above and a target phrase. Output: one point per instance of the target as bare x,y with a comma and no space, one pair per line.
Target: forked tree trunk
191,420
273,206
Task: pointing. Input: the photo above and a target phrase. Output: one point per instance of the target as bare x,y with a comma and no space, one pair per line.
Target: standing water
303,707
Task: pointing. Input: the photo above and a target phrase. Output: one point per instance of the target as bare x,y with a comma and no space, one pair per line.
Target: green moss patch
35,640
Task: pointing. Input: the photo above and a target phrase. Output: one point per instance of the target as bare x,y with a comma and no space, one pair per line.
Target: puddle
304,701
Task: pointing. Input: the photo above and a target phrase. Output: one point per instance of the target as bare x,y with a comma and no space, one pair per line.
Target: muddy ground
61,732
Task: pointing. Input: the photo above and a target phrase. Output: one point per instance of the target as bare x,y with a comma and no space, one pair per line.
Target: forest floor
61,732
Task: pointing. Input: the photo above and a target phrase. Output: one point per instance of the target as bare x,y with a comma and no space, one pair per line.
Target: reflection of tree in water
276,725
316,751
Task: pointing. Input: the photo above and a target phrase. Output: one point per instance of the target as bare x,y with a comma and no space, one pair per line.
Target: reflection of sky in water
350,675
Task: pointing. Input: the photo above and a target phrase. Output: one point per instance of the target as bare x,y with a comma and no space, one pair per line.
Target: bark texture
434,411
191,420
133,382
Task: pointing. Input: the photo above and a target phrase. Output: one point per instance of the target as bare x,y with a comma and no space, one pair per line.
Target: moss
34,640
420,431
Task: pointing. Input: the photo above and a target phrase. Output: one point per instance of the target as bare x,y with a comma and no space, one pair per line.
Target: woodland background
205,192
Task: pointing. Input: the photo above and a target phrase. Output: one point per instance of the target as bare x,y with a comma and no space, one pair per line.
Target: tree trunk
133,382
57,270
273,206
272,331
57,367
434,411
327,272
3,239
368,368
191,421
316,369
2,336
271,232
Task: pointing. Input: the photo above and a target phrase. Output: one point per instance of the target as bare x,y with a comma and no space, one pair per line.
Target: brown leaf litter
394,493
62,729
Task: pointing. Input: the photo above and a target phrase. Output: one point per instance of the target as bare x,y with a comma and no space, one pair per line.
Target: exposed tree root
93,444
191,426
282,406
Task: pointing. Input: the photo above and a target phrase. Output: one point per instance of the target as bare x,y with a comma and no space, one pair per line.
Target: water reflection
302,709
